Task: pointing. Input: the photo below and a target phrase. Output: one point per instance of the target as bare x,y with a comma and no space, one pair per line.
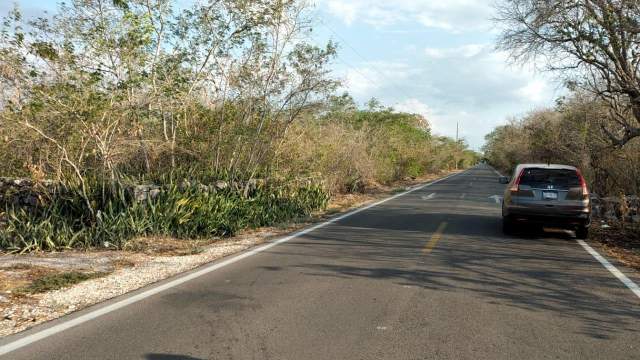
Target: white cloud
371,77
361,82
430,21
346,11
440,123
456,16
534,91
435,53
476,75
415,106
464,51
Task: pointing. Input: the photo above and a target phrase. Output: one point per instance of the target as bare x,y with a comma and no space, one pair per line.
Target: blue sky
435,58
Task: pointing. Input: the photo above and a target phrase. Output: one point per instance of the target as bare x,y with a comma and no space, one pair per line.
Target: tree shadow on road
535,272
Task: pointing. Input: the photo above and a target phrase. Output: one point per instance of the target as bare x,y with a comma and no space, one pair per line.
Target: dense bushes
351,149
66,222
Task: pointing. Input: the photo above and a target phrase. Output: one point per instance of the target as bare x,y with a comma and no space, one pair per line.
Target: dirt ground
620,241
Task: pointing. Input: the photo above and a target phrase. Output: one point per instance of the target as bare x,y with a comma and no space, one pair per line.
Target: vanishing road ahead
425,275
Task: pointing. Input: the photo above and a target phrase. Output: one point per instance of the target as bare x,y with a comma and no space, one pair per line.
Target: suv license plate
550,195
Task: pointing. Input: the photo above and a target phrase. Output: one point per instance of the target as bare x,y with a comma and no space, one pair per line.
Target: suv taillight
516,184
583,185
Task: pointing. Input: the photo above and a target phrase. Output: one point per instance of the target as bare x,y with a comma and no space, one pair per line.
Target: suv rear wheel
582,232
507,225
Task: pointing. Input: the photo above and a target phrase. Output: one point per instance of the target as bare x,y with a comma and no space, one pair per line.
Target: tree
569,133
595,43
138,87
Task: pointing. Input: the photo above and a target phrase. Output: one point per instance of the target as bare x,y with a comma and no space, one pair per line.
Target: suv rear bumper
551,218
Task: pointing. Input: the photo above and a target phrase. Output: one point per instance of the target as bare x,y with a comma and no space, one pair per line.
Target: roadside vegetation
227,111
593,47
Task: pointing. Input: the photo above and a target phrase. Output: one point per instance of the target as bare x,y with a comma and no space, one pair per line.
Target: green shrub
183,213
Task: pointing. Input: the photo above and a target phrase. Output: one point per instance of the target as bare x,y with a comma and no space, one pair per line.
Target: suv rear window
544,178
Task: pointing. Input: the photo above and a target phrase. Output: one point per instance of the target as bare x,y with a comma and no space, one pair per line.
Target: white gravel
53,304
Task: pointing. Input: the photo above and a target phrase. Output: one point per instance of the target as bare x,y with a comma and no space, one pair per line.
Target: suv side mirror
503,180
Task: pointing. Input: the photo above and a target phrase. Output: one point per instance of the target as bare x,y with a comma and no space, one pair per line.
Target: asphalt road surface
426,275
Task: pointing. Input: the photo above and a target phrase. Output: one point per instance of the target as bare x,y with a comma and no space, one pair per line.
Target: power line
343,40
362,74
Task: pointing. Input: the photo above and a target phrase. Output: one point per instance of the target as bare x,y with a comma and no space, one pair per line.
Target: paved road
427,275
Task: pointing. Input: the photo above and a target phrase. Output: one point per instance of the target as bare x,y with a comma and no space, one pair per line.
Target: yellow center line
435,238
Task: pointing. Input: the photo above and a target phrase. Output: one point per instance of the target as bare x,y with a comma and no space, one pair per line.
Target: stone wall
144,192
24,192
625,208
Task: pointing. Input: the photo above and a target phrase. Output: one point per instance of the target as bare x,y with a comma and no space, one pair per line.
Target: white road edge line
612,269
40,335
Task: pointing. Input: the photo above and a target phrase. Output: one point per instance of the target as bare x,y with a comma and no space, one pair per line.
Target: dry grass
19,276
121,263
167,246
24,279
57,281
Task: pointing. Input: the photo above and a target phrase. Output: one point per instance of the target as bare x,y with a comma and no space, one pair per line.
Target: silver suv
547,195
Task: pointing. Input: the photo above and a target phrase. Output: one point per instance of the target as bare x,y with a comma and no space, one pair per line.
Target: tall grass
178,211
